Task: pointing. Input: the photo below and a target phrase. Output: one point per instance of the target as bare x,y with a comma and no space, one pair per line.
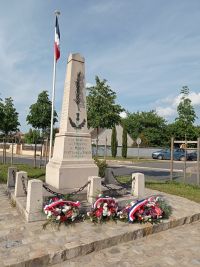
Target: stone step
27,244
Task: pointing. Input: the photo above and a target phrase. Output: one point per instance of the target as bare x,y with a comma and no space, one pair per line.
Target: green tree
102,111
9,117
124,142
186,113
114,142
177,130
32,136
40,113
149,126
1,113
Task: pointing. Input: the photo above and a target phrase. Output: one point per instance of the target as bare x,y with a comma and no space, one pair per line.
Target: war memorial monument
72,162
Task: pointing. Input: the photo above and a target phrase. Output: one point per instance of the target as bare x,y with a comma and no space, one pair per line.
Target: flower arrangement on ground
61,211
104,209
152,210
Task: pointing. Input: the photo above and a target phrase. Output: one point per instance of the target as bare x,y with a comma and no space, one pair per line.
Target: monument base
68,174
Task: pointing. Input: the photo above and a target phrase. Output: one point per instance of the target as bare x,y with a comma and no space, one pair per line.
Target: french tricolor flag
57,41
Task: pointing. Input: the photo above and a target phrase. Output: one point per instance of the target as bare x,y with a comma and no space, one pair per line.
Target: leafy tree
177,130
124,142
32,136
114,142
186,113
40,113
1,112
149,126
102,111
9,117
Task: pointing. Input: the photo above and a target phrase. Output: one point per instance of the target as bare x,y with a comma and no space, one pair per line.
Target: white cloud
89,85
123,114
167,107
195,98
165,111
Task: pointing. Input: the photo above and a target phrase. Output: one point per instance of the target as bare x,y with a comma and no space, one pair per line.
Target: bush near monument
102,165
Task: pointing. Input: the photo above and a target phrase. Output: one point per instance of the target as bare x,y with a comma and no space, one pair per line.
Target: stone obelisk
72,162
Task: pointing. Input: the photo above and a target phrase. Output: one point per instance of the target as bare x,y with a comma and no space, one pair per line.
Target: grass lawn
32,172
191,192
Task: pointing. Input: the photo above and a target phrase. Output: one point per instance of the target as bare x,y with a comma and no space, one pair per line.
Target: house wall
108,132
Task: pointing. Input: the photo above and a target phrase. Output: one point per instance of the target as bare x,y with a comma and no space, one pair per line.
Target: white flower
105,210
66,207
109,213
58,218
49,214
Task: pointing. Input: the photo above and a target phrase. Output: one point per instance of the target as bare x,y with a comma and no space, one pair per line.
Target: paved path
27,244
179,247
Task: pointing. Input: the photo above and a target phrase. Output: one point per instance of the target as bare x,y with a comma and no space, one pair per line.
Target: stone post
94,188
20,189
34,202
11,178
138,185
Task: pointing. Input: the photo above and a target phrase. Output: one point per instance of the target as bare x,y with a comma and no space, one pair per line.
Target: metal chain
80,189
23,184
52,192
125,185
112,189
62,195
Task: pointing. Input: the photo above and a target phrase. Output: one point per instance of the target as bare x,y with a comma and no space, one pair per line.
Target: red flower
63,218
158,211
99,212
69,214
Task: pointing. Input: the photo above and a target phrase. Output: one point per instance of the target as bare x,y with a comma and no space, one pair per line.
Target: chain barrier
80,189
114,190
125,185
14,176
59,195
23,184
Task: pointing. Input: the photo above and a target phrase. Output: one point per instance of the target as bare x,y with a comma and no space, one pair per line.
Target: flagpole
57,13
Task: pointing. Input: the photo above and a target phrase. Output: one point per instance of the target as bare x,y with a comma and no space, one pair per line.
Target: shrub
102,165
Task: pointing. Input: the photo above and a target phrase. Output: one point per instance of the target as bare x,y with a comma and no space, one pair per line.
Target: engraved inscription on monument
77,147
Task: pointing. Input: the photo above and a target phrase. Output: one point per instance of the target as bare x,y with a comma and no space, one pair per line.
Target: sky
146,50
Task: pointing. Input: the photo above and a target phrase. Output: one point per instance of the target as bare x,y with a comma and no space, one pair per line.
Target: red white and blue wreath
152,209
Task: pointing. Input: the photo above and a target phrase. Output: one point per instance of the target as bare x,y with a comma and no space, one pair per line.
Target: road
157,170
19,159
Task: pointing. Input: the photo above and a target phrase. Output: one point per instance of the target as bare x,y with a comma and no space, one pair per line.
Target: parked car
192,156
179,154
